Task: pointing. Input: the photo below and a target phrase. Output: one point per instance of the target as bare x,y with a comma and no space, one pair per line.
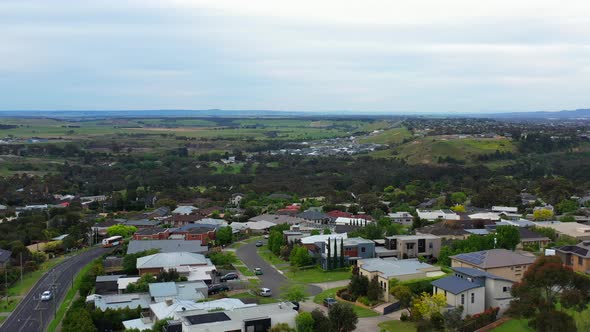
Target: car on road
259,243
230,276
217,288
266,236
328,302
265,292
46,296
258,271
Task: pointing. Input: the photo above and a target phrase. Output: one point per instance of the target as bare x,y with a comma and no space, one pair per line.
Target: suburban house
179,220
141,223
453,229
256,227
354,249
311,242
474,290
413,246
236,198
277,219
505,209
404,218
157,263
4,257
107,284
576,257
219,315
352,221
528,199
120,301
185,210
388,269
183,290
432,215
578,231
315,217
201,232
153,233
337,214
500,262
529,238
486,215
165,246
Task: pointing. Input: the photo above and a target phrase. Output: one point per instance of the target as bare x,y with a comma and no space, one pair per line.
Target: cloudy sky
316,55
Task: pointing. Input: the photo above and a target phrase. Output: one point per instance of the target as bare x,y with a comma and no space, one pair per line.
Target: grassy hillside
427,150
390,136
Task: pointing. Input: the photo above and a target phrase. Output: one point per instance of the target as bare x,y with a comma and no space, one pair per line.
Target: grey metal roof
455,284
142,222
194,246
171,260
150,231
109,278
159,289
313,215
392,268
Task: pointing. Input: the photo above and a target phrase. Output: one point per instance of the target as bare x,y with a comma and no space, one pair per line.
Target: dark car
230,276
295,305
328,302
259,243
217,288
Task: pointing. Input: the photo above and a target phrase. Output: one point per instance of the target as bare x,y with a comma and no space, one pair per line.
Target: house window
580,261
462,299
472,297
430,245
505,289
363,249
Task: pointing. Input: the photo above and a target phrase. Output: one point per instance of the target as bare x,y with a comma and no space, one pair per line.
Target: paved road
271,278
32,315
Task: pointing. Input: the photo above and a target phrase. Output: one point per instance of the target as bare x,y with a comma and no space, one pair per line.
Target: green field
360,311
391,136
317,275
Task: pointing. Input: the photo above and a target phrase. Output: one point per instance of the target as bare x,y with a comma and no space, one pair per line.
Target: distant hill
561,115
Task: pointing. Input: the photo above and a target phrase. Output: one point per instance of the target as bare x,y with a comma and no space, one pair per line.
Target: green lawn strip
244,270
30,279
238,244
63,308
514,325
260,299
10,306
360,311
398,326
270,257
317,275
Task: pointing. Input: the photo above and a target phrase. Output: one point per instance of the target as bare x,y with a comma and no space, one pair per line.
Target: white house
404,218
432,215
474,290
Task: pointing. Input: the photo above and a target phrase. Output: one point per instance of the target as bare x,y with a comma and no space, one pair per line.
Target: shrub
364,300
404,317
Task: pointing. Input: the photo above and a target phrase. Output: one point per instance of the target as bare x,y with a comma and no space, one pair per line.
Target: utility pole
21,266
6,283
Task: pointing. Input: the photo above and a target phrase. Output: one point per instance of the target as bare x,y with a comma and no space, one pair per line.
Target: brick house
156,233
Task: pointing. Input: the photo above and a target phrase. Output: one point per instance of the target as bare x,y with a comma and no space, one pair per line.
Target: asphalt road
32,315
270,278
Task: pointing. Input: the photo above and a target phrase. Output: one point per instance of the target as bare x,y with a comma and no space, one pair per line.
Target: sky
392,56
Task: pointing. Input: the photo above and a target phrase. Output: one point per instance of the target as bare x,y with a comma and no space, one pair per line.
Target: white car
46,296
265,292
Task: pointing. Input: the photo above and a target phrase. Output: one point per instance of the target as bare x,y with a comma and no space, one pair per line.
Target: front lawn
317,275
260,299
269,257
514,325
360,311
398,326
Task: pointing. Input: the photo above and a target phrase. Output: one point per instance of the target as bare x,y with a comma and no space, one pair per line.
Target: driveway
32,315
272,278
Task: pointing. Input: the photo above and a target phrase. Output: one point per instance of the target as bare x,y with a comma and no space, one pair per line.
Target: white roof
485,215
197,272
162,310
399,215
171,260
137,324
349,221
512,209
184,209
259,225
322,238
392,268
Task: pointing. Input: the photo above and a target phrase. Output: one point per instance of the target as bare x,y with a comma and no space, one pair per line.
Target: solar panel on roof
208,318
476,258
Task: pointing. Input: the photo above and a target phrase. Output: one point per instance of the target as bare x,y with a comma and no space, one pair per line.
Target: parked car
266,236
265,292
217,288
328,302
230,276
257,271
259,243
46,296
